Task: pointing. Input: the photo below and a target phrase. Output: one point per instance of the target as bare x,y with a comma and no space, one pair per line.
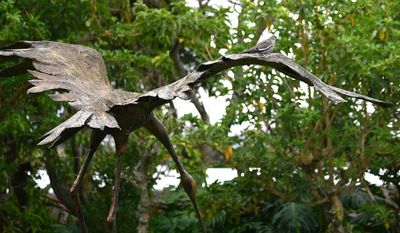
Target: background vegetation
310,155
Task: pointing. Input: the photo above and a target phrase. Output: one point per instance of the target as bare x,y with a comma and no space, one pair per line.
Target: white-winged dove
265,46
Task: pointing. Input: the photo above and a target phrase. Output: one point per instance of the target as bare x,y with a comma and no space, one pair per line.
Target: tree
151,43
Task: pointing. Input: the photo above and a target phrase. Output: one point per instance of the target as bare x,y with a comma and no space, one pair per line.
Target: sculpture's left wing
77,74
181,88
77,69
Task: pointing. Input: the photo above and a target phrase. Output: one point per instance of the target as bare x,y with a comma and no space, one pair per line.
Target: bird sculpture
79,75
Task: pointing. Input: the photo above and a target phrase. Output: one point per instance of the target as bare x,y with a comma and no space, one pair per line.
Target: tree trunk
141,182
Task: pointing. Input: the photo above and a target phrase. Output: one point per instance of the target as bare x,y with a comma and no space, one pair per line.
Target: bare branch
180,69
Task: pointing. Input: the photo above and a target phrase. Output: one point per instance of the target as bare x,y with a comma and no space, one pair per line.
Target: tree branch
180,69
61,191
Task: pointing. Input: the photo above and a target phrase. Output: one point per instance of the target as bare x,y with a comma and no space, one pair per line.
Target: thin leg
96,138
82,171
189,185
121,145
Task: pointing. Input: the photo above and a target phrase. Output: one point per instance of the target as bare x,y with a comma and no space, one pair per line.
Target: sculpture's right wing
79,75
182,87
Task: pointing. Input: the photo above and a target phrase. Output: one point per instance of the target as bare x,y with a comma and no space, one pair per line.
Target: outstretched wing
79,75
182,87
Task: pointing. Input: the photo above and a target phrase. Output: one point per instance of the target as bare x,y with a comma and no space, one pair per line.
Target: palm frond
295,217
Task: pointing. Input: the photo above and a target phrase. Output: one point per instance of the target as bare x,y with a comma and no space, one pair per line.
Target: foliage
294,217
301,160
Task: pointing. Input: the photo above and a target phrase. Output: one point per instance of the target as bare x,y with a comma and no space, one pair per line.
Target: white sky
171,177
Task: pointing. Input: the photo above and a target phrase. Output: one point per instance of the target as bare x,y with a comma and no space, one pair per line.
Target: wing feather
78,120
77,70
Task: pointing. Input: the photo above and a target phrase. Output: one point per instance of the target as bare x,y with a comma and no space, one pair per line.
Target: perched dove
265,46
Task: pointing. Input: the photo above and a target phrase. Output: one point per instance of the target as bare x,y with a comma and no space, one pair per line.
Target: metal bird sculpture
81,74
265,46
